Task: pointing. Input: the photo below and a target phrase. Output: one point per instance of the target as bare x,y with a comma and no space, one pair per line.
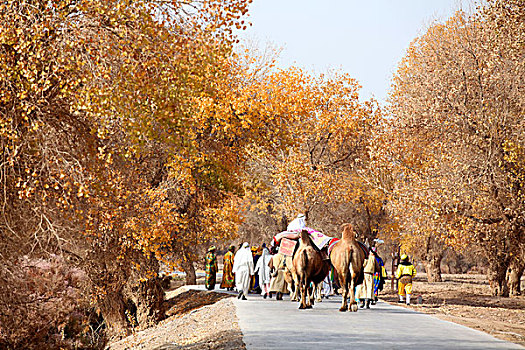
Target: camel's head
348,231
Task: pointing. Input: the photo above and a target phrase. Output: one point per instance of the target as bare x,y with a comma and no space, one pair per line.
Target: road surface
272,324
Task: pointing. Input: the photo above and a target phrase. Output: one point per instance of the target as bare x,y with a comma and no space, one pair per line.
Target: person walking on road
211,269
326,290
379,277
405,273
264,271
243,269
254,282
278,282
228,279
366,289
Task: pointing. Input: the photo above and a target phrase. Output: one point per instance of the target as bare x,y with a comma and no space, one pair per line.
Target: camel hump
304,258
348,232
305,237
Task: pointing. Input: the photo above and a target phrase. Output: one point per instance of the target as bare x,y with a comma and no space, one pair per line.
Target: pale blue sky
365,38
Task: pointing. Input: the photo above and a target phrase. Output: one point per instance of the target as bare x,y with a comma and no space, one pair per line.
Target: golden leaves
456,144
85,99
323,118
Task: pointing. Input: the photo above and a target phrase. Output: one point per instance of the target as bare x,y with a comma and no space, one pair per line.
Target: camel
347,258
309,268
291,279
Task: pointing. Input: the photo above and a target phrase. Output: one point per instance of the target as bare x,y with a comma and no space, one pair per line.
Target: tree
321,172
456,100
93,94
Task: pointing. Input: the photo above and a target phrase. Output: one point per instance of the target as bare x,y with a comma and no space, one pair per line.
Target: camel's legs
293,288
353,305
302,292
296,293
344,286
309,295
318,289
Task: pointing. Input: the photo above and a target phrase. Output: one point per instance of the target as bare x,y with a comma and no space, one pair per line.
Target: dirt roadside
196,320
466,300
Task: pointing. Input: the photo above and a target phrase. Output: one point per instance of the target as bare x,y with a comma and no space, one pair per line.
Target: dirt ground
196,320
466,299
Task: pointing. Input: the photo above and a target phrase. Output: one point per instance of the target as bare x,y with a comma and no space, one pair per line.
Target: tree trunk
514,277
189,269
433,267
435,250
113,309
496,274
148,297
395,263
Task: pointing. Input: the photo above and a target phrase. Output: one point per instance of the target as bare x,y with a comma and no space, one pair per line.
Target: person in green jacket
211,268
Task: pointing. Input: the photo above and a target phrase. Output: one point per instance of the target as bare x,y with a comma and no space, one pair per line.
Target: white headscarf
262,266
297,224
243,258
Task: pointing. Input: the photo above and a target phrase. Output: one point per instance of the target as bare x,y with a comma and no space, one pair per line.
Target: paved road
271,324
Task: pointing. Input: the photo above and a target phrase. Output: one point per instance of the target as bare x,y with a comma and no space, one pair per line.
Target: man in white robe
243,270
327,287
264,271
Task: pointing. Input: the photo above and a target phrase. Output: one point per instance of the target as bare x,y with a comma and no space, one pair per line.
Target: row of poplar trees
135,133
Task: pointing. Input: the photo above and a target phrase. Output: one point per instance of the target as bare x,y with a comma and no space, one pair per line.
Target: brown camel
309,268
290,277
347,258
